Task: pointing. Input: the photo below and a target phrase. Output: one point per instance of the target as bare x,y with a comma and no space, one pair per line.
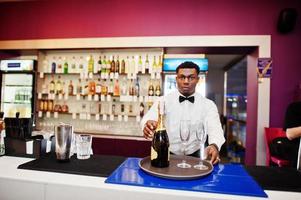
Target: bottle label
154,154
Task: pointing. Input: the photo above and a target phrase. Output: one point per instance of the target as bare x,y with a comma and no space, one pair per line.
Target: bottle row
49,106
114,88
106,64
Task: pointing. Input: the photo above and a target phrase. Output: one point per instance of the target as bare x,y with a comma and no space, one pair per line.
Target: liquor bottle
53,66
73,65
122,68
154,66
65,66
117,65
137,88
108,66
151,89
160,142
86,87
59,66
99,70
141,110
116,89
50,106
113,109
92,87
51,86
41,106
79,87
112,69
98,87
70,88
158,90
159,66
140,65
133,67
91,64
104,89
81,65
122,108
127,65
131,89
146,64
104,67
45,105
111,88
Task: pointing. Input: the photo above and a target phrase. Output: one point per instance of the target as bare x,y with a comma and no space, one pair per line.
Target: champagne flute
184,135
201,135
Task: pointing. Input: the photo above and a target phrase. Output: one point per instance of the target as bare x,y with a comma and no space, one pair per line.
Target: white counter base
16,184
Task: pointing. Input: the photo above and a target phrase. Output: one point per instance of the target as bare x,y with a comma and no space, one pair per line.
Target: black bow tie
191,99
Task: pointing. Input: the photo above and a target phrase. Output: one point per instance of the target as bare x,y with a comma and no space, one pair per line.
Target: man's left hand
213,153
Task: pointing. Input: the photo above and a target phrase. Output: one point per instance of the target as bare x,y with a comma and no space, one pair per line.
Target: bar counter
38,185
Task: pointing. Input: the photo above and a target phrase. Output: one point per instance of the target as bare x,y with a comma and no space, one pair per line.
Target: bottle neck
161,123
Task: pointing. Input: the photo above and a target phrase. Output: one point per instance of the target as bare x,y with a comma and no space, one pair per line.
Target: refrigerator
17,87
172,61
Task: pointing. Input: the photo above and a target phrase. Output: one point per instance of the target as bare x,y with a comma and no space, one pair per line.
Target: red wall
109,18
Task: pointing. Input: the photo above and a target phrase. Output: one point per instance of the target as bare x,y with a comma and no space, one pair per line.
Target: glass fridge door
16,94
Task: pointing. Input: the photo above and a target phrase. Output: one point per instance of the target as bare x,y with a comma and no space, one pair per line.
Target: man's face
187,80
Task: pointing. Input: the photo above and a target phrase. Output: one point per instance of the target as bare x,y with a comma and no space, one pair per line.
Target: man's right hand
149,129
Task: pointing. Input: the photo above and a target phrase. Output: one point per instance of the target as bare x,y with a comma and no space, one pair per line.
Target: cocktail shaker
63,140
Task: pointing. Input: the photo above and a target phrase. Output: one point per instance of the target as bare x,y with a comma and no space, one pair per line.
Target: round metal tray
174,172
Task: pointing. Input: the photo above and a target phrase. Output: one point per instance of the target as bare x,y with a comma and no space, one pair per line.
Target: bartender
186,103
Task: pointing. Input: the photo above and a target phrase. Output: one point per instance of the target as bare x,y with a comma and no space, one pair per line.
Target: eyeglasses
189,78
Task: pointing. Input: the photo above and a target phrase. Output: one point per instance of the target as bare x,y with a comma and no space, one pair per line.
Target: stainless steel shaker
63,140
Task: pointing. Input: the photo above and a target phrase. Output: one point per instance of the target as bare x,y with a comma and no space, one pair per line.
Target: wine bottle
65,66
160,142
99,68
146,64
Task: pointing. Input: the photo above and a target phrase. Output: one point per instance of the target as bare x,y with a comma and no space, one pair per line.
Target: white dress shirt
202,109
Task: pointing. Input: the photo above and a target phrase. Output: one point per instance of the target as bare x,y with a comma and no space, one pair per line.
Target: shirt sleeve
214,127
152,114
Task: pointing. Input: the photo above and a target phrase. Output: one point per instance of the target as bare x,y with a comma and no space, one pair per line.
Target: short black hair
190,65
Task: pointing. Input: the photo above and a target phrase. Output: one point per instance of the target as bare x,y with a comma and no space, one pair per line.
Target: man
189,105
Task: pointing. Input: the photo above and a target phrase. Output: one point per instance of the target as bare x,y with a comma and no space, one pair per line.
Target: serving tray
174,172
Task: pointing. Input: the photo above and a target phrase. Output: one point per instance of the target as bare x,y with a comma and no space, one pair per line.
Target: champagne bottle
160,142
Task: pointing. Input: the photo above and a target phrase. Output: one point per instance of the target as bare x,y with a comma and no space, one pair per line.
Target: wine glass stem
202,151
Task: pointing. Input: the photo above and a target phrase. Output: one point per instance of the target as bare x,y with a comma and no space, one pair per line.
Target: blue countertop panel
224,179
